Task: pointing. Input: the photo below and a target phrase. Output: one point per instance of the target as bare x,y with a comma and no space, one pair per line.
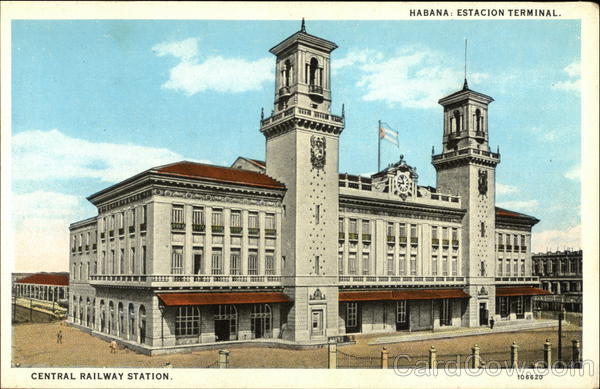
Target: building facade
188,254
561,274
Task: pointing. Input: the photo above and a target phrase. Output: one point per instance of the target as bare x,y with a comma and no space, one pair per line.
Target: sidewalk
458,332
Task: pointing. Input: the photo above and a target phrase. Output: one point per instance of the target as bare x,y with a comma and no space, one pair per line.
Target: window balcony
217,229
316,90
517,280
455,244
131,229
178,226
508,248
523,249
445,243
253,231
87,247
402,239
142,227
366,237
80,248
392,280
352,236
102,235
501,247
94,246
111,234
391,239
414,240
435,242
121,231
198,227
270,232
341,236
235,230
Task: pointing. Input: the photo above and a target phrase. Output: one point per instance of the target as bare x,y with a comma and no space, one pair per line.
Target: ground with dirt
36,345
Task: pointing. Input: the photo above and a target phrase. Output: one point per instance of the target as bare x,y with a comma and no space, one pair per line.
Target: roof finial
465,85
302,27
262,113
343,111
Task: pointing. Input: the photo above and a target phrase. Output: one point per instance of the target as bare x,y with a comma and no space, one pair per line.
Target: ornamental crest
483,182
483,292
317,295
317,151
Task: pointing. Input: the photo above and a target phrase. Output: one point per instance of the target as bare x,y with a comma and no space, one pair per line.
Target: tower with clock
466,167
302,142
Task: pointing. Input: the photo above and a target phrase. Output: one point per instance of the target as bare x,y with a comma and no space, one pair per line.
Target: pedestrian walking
59,337
492,323
113,347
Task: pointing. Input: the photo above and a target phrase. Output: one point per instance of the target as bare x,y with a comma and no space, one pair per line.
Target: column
278,234
244,253
207,240
226,250
261,243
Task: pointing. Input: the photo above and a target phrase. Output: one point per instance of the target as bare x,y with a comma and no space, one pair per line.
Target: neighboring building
560,273
43,286
189,254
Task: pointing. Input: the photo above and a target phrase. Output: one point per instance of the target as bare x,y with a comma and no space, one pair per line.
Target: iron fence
346,360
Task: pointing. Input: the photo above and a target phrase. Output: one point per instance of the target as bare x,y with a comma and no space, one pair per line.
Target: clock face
403,183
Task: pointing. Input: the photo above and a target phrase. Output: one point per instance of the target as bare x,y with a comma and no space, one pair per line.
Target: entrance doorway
317,323
402,316
225,323
353,316
483,314
260,321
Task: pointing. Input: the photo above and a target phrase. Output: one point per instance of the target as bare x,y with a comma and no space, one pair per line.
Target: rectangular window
365,264
270,221
366,227
434,233
515,267
402,263
253,263
352,314
390,264
522,267
217,261
519,306
198,261
390,229
454,266
121,220
455,235
236,219
445,236
444,265
187,321
235,264
413,265
500,266
352,264
502,301
198,216
177,260
177,214
507,267
253,220
402,228
269,263
413,230
132,218
144,264
352,228
434,265
132,267
144,214
217,217
113,262
340,263
317,265
341,225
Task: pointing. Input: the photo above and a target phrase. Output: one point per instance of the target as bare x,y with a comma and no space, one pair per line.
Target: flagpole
379,146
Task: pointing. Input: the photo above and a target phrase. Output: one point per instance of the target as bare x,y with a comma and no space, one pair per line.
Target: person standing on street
59,337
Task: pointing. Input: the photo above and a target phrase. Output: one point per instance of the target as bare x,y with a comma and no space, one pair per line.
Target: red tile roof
45,279
175,299
521,291
218,173
399,294
507,213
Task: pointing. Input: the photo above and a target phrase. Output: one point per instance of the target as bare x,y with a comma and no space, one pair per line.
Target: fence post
475,357
223,359
547,353
332,346
384,358
514,355
432,357
576,356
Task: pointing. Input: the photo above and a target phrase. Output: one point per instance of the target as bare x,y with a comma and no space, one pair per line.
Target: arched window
131,312
313,73
121,326
142,320
287,73
111,317
457,121
478,121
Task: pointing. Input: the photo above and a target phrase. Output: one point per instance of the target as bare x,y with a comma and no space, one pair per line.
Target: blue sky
97,101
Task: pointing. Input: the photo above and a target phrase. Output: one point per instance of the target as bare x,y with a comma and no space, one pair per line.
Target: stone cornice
282,127
398,209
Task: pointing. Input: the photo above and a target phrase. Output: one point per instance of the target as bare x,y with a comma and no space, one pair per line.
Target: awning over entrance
176,299
418,294
521,291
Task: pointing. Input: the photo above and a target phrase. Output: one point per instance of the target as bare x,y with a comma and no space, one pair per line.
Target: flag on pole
385,132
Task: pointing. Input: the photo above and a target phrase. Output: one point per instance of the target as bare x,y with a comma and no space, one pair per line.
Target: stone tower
302,145
467,167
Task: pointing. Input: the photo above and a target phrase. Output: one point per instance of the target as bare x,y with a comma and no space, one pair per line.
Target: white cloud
413,78
356,56
519,205
42,236
502,189
573,71
52,155
574,173
226,75
556,239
